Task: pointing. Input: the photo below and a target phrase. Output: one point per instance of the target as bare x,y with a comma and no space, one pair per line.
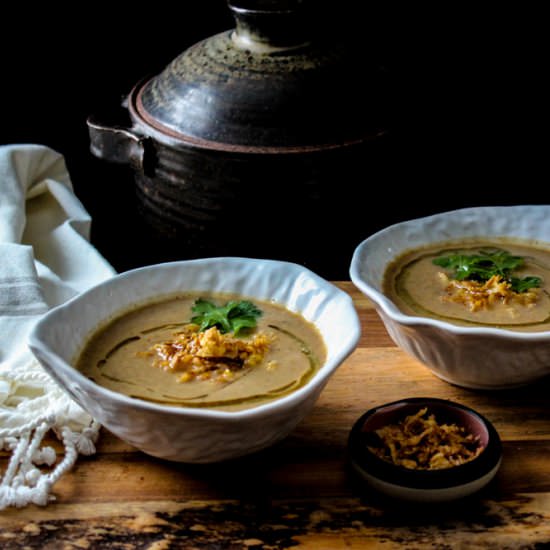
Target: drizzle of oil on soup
414,284
114,357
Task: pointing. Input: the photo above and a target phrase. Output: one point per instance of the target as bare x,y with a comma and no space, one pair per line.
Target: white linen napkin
45,258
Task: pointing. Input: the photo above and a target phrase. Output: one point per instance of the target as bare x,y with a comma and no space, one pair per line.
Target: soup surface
155,353
500,283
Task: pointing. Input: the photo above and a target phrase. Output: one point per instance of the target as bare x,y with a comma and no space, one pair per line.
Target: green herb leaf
481,267
521,285
232,317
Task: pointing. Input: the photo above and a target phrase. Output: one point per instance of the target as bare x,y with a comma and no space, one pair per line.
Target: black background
469,118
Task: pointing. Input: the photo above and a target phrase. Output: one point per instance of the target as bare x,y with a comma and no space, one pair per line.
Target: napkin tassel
23,482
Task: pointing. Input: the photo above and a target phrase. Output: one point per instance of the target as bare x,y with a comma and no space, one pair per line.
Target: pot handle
116,143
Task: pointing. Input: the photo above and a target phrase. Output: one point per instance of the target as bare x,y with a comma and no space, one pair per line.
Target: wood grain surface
300,492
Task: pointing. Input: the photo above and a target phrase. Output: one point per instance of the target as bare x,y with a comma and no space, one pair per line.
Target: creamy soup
508,285
155,353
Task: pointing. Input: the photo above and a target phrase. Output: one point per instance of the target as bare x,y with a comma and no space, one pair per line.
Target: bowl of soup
200,360
465,292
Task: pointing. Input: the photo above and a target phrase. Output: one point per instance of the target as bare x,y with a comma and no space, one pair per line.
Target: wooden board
300,493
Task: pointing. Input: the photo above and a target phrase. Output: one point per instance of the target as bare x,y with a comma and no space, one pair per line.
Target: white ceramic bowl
473,357
427,486
188,434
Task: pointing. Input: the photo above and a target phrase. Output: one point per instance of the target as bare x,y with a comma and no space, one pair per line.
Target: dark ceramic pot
248,143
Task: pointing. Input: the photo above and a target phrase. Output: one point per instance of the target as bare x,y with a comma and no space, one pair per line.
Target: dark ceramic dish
260,128
425,485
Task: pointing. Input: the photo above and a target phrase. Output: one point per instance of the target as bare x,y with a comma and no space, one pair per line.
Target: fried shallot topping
482,295
209,354
419,443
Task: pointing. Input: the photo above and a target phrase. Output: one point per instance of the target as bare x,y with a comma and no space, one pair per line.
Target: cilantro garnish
232,317
486,264
522,285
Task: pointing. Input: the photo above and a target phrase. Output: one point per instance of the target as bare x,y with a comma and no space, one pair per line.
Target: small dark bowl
425,485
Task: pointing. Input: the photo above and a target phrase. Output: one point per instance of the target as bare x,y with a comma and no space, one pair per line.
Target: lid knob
264,26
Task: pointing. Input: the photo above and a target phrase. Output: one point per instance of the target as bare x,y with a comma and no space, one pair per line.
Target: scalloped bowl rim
392,311
318,379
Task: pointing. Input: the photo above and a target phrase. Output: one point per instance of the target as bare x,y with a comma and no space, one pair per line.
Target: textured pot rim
150,126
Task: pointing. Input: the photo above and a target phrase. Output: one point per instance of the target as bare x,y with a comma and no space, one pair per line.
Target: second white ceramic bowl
473,357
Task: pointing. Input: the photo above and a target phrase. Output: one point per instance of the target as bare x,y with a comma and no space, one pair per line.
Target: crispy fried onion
209,354
477,295
419,443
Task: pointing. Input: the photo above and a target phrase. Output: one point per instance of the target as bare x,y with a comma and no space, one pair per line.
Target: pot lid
266,84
